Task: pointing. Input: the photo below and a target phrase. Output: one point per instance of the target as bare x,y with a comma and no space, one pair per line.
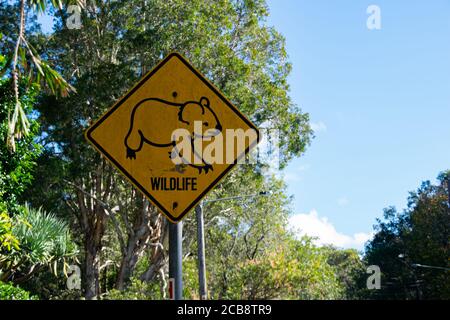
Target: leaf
55,266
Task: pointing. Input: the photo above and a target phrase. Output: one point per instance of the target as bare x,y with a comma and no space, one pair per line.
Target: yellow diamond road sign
174,136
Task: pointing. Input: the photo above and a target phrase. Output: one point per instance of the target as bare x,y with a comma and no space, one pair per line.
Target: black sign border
88,135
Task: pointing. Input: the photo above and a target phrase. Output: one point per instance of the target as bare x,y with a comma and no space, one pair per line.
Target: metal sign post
175,260
201,253
137,136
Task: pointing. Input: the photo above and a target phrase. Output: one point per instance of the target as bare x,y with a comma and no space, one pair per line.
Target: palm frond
41,5
44,239
51,78
18,124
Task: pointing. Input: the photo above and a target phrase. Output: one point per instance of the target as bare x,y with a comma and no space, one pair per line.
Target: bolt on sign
174,136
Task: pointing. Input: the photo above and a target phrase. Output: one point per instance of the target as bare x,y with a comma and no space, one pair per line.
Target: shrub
44,241
10,292
137,290
7,239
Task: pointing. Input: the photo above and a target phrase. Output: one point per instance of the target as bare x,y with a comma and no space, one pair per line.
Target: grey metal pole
175,258
201,252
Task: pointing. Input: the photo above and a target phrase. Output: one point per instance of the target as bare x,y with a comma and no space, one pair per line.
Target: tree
350,270
26,249
16,169
26,62
249,253
296,269
227,40
418,235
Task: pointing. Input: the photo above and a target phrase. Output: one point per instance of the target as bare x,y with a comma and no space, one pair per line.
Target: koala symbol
152,116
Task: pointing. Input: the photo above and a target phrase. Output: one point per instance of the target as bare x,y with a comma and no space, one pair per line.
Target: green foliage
7,240
50,286
28,67
42,5
232,45
137,290
10,292
190,278
349,269
44,237
44,241
250,255
16,169
417,235
297,271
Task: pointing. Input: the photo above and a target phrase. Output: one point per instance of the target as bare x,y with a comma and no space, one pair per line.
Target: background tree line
53,185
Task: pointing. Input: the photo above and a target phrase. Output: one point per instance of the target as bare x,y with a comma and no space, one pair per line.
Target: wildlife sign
174,136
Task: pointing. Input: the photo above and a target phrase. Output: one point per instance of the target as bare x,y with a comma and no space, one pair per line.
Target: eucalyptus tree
229,41
405,240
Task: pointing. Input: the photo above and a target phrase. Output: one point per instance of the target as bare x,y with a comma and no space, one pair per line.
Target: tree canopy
418,235
61,203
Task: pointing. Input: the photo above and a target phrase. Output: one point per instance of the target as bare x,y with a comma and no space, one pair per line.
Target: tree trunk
93,221
127,266
128,262
91,286
157,258
93,246
145,232
12,120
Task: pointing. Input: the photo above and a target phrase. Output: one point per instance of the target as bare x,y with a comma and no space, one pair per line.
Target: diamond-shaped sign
174,136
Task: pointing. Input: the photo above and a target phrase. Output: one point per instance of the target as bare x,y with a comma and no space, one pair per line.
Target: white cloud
313,225
318,126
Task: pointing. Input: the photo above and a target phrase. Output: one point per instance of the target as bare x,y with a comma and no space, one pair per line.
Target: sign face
174,136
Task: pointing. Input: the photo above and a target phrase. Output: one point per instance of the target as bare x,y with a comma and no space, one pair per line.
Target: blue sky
380,101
